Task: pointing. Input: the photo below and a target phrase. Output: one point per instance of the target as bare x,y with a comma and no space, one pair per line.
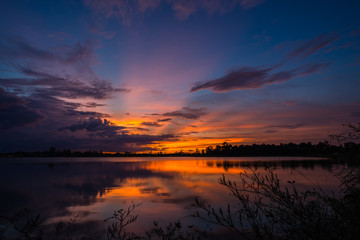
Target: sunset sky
166,75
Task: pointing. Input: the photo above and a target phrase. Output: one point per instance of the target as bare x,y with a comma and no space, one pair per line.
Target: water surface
92,188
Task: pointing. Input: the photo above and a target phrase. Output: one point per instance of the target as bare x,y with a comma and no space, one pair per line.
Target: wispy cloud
312,46
64,71
288,126
250,3
254,77
151,124
126,10
164,120
187,112
183,9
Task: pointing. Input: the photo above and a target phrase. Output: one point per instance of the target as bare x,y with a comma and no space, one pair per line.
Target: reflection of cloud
254,77
56,186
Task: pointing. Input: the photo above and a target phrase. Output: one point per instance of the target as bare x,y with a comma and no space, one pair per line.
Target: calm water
92,188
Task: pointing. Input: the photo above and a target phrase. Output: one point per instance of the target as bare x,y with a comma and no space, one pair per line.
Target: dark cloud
42,98
44,94
313,46
151,124
141,129
254,77
164,120
15,113
93,105
60,87
64,71
92,125
187,112
271,131
60,127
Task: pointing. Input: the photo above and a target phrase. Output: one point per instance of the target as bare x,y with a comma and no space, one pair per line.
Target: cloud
60,87
64,71
183,9
164,120
151,124
93,105
187,112
126,10
254,77
246,4
313,46
92,125
44,94
288,126
15,113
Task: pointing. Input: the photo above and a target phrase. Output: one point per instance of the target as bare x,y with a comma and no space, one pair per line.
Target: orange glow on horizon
191,144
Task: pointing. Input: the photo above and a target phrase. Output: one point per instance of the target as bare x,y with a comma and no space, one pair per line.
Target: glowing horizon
167,76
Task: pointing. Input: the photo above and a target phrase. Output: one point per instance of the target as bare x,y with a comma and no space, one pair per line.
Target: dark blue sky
168,75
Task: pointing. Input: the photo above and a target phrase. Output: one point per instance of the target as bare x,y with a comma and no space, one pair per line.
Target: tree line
324,149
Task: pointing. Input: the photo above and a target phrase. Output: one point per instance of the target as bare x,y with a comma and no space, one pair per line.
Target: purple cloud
93,105
15,112
151,124
187,112
94,124
164,120
183,9
313,46
254,77
288,126
64,71
246,4
127,10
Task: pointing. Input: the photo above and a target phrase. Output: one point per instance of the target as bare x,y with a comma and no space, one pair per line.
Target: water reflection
166,187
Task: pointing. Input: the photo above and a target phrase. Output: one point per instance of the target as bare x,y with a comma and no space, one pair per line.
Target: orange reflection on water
191,167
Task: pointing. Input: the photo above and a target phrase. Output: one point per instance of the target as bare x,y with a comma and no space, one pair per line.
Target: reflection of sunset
123,191
190,166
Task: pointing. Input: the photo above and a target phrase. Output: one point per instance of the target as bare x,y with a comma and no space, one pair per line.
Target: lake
92,188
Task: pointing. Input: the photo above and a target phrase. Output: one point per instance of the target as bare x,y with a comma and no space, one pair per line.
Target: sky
166,75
